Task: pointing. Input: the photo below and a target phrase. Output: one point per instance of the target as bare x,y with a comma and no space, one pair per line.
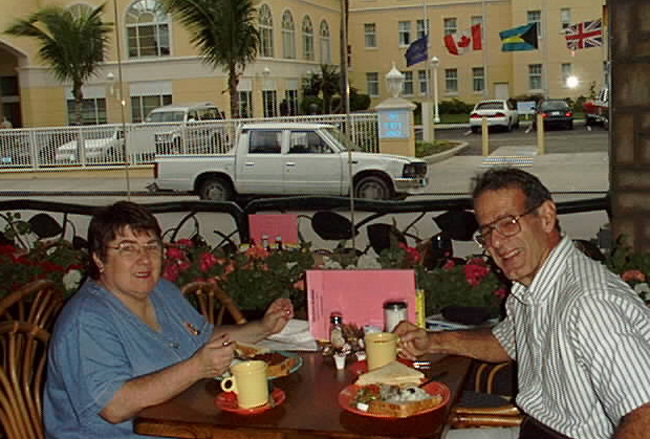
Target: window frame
265,28
451,78
566,73
370,35
404,33
408,88
138,106
535,16
565,18
372,84
534,76
99,116
449,25
158,26
288,34
324,35
476,79
307,38
423,83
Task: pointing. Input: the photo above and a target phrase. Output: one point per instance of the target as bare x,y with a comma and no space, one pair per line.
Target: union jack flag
584,35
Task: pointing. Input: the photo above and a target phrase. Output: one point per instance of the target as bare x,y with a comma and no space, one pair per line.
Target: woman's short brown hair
111,220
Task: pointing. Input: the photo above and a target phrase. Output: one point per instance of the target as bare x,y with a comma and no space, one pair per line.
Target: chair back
37,302
206,296
23,348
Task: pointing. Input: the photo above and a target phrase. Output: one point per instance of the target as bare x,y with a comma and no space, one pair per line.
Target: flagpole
428,134
545,36
484,48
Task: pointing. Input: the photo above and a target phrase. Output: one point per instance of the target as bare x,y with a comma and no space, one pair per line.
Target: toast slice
403,409
278,365
393,373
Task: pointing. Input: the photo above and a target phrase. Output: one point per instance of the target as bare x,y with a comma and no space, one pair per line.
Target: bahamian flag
519,38
417,51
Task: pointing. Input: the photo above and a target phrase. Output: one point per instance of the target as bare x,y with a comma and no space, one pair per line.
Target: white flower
330,264
368,262
72,279
643,290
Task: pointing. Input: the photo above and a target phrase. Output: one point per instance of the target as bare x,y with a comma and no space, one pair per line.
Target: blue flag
417,51
519,38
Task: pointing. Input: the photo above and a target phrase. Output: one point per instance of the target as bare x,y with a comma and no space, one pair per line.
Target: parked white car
499,113
99,147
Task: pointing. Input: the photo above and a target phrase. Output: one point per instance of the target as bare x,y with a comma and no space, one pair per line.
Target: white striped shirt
581,337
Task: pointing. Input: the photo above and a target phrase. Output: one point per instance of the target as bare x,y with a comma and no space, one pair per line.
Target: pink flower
184,265
206,261
185,243
631,275
171,272
449,265
412,255
501,293
175,253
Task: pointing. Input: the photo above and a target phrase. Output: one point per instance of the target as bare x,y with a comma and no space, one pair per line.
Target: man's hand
413,340
215,356
277,315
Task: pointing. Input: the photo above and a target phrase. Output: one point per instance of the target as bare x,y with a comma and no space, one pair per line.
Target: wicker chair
206,296
484,407
37,302
22,372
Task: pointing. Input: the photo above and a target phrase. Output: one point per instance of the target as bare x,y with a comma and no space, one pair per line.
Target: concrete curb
431,159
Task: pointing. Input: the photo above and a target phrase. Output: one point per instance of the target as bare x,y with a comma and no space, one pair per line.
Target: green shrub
455,106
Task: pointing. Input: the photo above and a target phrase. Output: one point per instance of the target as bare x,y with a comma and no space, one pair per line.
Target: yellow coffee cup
381,349
249,382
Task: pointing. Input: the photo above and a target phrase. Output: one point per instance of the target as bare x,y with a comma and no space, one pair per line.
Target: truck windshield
340,139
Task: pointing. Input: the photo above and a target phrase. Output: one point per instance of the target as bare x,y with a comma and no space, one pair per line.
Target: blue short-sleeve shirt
98,344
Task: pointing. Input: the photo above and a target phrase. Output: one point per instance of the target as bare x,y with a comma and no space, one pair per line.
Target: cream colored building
159,64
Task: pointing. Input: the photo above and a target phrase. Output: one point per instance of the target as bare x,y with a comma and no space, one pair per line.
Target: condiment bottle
265,242
394,312
278,242
336,331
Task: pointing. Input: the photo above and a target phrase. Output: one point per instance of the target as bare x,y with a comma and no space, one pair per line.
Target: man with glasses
580,335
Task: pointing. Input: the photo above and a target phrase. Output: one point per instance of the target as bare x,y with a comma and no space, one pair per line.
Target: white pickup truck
282,159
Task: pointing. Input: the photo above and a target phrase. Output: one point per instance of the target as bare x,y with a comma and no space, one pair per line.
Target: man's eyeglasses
133,249
506,226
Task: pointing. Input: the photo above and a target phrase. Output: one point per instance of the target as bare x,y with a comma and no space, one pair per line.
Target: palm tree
72,45
224,32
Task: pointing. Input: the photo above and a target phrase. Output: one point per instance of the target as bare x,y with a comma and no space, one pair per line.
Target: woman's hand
413,340
277,315
215,356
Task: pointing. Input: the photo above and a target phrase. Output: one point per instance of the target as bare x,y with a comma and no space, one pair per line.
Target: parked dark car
555,113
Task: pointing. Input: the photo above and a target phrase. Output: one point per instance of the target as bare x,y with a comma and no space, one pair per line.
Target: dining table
310,409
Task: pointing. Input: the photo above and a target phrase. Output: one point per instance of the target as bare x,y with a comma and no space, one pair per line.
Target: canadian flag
457,43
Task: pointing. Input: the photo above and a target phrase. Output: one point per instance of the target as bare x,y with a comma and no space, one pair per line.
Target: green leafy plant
634,268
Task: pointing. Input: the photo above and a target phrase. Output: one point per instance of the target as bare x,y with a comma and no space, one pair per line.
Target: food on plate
277,364
394,400
393,373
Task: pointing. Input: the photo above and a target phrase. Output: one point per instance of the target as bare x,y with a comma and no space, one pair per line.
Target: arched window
288,36
266,31
307,39
147,29
325,44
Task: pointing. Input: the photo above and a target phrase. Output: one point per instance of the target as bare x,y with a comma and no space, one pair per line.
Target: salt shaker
336,331
394,312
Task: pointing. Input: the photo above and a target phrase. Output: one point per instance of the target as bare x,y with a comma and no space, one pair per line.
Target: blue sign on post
393,124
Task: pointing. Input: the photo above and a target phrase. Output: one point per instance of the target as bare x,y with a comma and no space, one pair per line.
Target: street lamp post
435,62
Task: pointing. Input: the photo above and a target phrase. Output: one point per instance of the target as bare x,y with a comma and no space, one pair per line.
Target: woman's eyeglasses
507,226
133,249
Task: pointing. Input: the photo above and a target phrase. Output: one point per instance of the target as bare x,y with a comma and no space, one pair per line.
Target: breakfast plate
346,396
227,401
281,364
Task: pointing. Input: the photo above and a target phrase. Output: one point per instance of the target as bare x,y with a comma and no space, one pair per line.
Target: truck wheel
215,189
372,188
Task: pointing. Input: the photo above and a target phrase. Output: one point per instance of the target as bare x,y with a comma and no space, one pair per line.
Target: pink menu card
358,295
283,225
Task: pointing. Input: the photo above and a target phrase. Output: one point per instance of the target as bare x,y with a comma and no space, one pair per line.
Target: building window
423,82
9,86
141,106
307,39
325,44
291,97
565,18
93,111
451,81
369,31
266,31
420,29
478,80
244,104
372,83
147,30
536,17
404,33
288,36
535,76
270,103
407,88
450,26
565,72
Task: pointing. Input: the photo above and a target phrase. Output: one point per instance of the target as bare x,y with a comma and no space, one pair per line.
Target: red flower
501,293
449,265
630,275
185,243
256,252
474,273
206,261
175,253
171,272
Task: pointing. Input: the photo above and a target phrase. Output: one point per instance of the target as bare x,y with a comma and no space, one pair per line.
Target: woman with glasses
579,334
129,339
